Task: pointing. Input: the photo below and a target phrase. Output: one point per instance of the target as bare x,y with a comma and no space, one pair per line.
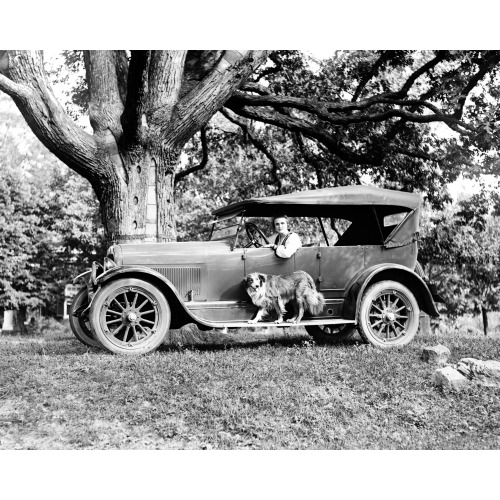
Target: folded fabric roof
320,202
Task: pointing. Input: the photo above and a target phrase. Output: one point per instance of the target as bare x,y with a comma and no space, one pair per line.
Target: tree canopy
460,250
49,225
358,115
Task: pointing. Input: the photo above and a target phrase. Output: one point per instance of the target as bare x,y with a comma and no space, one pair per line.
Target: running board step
267,324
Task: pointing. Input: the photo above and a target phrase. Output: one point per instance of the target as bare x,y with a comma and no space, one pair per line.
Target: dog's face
254,282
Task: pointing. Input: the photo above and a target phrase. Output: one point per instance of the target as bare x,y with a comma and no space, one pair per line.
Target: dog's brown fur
275,291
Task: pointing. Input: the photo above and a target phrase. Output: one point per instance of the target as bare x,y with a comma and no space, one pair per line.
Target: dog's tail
314,301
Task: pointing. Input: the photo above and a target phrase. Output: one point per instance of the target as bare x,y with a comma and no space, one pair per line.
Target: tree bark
484,313
142,113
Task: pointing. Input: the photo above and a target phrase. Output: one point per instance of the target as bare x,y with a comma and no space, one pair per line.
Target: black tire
81,326
130,316
331,334
388,315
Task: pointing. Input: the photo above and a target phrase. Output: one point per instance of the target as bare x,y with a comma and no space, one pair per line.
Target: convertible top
320,202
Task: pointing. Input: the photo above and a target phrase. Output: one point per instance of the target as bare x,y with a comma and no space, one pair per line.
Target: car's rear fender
394,272
180,314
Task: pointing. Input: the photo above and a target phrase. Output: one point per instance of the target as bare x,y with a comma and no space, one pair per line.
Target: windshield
364,225
313,231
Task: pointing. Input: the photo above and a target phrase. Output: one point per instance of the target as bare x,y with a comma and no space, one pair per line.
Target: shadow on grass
190,337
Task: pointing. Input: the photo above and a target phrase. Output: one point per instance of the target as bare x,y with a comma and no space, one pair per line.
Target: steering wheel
257,237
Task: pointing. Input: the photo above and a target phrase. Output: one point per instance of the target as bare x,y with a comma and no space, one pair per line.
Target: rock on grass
485,373
436,355
450,378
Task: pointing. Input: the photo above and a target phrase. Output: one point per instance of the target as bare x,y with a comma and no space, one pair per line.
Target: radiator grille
183,278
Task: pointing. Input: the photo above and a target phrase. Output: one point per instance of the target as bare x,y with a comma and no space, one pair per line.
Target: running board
267,324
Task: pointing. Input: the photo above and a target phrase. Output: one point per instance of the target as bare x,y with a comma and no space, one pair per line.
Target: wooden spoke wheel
389,315
130,316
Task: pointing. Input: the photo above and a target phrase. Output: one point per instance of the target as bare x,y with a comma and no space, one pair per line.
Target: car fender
180,313
83,278
395,272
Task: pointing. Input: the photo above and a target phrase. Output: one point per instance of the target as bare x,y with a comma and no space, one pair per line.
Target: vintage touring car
359,246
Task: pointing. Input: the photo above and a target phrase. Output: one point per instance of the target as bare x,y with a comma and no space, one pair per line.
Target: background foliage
460,250
49,219
50,223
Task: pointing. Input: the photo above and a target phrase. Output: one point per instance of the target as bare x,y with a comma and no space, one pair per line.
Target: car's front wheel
388,315
331,334
130,316
80,326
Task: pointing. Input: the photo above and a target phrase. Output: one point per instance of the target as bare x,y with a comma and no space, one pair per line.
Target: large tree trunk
137,201
143,109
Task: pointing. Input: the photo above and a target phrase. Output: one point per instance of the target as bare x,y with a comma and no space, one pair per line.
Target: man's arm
271,238
292,244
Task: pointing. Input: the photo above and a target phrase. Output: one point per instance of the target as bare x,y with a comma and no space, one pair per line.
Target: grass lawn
270,391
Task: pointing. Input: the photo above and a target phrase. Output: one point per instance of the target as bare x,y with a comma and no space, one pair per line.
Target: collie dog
275,291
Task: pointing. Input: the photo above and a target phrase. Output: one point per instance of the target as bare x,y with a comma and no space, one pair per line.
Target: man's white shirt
291,245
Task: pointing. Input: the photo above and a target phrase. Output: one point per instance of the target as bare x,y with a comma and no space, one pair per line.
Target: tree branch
166,70
441,55
135,105
199,105
315,131
271,70
259,145
488,64
256,87
384,57
325,111
198,65
122,73
105,104
13,89
311,159
204,146
31,91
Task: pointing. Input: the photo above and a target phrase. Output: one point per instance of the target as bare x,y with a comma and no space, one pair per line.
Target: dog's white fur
275,291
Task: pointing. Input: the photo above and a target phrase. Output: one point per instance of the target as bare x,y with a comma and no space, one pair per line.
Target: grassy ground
272,391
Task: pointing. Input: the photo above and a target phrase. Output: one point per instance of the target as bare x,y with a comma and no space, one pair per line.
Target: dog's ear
262,278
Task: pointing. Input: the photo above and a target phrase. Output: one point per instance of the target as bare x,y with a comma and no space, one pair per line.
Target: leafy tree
49,227
361,112
460,251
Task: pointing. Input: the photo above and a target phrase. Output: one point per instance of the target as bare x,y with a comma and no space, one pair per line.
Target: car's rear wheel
388,315
331,334
130,316
80,326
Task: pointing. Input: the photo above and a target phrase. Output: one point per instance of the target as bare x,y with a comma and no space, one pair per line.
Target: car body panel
204,279
396,272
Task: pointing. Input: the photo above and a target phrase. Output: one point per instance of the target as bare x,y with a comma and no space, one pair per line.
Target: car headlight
97,270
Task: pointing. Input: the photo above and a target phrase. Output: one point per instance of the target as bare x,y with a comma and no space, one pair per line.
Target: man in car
284,242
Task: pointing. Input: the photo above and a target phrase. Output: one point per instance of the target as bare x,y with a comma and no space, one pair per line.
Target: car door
338,264
264,260
308,259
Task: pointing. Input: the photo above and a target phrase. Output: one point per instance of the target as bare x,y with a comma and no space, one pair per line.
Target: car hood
150,254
